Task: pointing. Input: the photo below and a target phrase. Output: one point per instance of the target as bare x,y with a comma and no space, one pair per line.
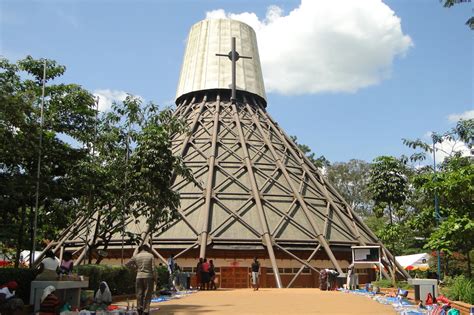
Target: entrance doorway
234,277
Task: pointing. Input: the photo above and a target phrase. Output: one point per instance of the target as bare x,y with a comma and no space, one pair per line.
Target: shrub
404,285
163,277
23,277
383,283
121,280
460,288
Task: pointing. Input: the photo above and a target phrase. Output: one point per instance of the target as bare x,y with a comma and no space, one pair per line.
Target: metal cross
233,56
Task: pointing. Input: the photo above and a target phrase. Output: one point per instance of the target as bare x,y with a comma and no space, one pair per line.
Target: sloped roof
286,182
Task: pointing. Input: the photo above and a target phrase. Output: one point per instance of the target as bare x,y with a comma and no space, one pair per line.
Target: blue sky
137,47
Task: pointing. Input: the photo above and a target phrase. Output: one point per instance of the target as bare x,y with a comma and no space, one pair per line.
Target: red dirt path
272,301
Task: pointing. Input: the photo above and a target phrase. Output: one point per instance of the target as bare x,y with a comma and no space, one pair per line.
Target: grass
459,288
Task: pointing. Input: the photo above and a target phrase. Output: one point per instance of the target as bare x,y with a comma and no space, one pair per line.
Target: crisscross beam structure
253,186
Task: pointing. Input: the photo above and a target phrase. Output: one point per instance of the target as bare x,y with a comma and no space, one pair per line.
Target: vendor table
66,291
423,287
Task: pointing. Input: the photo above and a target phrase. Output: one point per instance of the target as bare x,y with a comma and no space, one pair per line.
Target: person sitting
49,302
103,296
9,303
67,264
49,267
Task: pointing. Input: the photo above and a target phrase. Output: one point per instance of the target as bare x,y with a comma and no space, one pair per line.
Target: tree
351,180
132,170
68,111
388,186
450,3
453,184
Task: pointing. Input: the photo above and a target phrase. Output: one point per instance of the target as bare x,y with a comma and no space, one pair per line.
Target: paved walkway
272,301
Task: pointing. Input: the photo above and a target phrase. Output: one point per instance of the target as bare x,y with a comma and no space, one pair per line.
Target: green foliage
388,186
459,288
122,167
133,168
463,131
404,285
453,234
121,280
163,277
383,283
453,184
22,276
351,180
68,111
153,168
386,283
455,189
450,3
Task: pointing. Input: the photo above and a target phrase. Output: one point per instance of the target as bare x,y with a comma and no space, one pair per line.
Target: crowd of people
206,274
146,280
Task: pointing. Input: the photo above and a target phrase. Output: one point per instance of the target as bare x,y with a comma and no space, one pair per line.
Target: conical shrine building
256,194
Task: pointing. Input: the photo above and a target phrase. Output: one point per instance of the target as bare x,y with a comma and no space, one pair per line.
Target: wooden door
234,277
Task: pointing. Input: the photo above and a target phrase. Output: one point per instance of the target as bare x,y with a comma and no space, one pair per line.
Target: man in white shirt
49,267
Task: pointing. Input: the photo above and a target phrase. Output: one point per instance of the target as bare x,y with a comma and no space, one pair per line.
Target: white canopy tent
414,262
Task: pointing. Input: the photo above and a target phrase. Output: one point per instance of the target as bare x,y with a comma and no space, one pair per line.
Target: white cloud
326,46
449,147
107,97
466,115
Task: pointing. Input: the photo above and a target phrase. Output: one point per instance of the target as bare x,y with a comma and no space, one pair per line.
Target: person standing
171,271
205,275
199,273
145,264
171,264
350,277
255,273
212,275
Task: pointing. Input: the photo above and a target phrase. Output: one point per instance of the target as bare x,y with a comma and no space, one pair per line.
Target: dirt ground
272,301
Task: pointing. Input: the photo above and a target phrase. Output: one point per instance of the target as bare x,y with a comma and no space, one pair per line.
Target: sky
349,78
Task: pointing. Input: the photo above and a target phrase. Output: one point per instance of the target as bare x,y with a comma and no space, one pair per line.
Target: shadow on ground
186,309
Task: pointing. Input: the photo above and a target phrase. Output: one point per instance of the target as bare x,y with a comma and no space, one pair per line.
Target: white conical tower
201,69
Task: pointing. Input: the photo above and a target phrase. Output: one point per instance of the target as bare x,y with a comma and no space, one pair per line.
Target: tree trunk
390,214
469,273
391,225
106,245
446,265
21,232
32,217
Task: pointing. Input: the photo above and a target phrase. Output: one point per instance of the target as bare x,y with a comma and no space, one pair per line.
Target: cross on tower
233,56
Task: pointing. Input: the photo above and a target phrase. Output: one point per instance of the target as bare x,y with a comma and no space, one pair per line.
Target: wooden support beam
296,257
301,201
210,182
302,267
256,195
